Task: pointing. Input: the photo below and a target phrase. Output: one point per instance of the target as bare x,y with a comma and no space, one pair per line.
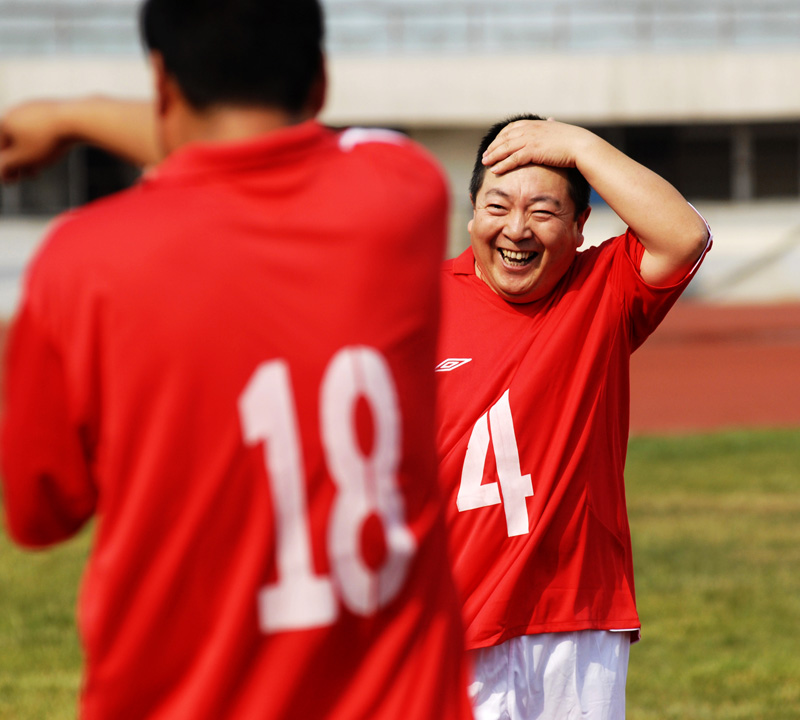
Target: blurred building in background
705,92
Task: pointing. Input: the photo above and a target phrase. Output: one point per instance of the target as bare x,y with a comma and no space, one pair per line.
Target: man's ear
319,91
163,85
581,221
159,82
469,224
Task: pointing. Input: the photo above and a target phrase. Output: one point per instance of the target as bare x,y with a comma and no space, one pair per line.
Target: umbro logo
451,364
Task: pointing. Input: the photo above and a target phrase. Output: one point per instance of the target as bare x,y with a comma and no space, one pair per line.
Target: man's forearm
35,134
125,128
669,228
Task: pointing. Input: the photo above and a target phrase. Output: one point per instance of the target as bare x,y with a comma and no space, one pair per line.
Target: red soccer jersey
229,365
533,430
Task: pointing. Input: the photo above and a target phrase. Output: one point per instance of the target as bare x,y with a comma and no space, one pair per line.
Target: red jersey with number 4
534,406
229,366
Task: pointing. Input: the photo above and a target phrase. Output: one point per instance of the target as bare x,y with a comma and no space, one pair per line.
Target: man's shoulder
392,154
369,139
600,249
85,247
352,137
93,222
597,258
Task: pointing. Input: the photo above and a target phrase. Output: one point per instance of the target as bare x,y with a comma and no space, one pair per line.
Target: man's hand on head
534,142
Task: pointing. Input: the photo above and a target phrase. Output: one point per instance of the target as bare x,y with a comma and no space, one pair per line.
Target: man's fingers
519,139
514,160
12,166
498,151
9,174
10,177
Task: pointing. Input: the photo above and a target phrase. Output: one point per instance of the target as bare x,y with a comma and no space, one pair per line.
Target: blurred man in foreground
228,366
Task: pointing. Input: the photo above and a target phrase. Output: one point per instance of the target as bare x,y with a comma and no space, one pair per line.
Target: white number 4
515,486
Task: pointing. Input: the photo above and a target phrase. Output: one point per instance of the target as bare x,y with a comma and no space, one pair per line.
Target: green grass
40,658
716,532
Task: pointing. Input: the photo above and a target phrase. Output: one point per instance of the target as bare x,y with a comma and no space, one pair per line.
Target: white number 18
366,485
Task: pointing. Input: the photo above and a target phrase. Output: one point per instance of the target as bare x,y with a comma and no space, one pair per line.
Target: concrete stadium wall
446,102
451,91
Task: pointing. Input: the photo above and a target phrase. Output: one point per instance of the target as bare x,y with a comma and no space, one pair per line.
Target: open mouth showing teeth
517,257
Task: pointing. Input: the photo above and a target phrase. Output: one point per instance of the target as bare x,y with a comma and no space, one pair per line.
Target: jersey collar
273,148
464,264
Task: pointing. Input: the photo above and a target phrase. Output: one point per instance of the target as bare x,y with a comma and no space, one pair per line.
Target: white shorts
552,676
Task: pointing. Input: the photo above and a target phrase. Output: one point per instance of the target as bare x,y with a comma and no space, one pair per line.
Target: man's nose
516,228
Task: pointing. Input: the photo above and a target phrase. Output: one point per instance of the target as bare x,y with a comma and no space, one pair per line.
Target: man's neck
226,124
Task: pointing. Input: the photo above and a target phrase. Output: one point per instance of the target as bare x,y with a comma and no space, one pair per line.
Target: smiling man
525,231
533,419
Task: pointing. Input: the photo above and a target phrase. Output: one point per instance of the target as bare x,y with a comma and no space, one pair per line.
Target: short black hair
262,53
579,189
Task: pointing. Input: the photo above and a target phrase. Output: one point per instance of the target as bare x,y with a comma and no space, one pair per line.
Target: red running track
711,367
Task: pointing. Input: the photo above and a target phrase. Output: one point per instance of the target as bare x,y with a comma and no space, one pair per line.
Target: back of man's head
578,187
249,53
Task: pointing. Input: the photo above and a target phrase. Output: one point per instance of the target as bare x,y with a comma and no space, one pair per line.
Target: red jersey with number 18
230,366
533,430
